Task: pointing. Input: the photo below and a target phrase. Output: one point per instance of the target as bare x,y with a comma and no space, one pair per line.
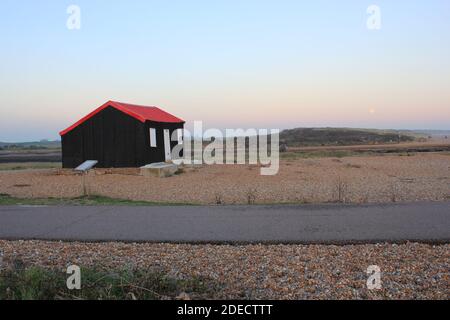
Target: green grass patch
29,165
37,283
320,154
6,200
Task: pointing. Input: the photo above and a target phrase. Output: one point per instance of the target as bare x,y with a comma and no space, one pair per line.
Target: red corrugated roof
141,113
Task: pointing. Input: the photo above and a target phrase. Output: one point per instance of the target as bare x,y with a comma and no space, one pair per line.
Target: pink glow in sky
259,64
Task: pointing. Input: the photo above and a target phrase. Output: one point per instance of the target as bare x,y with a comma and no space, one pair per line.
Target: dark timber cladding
118,137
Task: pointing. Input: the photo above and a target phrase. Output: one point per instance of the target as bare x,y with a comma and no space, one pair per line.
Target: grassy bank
7,200
29,165
37,283
293,155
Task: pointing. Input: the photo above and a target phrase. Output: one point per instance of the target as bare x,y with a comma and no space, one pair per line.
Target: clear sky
248,63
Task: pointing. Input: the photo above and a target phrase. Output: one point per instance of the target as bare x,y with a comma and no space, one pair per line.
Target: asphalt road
231,224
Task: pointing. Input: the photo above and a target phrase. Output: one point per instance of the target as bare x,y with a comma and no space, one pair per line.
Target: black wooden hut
120,135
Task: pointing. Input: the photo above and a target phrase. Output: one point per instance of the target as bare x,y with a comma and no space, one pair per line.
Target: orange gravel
351,179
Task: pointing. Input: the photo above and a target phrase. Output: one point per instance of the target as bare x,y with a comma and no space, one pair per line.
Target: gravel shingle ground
414,271
409,271
359,179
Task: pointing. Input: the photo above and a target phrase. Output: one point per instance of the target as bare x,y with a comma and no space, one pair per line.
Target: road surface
334,223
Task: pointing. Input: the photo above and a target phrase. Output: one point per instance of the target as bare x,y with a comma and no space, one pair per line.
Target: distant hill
43,144
343,136
434,133
295,137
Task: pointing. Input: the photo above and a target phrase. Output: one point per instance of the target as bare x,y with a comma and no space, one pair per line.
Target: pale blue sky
263,64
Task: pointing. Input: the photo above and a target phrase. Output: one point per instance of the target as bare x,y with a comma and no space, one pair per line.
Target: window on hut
152,137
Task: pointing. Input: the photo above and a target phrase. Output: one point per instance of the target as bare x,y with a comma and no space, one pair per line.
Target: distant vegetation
28,165
342,136
436,133
291,137
7,200
35,145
